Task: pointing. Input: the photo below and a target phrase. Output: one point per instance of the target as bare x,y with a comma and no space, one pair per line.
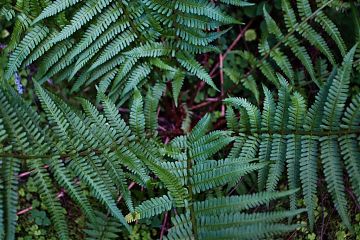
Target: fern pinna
119,44
290,136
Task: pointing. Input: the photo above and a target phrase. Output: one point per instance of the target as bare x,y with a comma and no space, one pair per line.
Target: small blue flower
18,84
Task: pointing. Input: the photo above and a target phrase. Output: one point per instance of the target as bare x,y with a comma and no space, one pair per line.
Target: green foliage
291,136
100,149
118,44
205,219
282,47
102,227
123,161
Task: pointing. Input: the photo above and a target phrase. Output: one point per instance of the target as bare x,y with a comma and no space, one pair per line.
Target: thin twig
131,185
26,174
290,237
60,194
163,227
221,61
206,103
232,45
21,212
220,64
354,198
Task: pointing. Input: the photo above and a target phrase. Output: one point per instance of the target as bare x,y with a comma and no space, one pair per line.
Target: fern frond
48,195
182,228
293,152
98,187
330,152
216,173
137,117
330,155
237,203
136,77
150,208
9,170
81,17
279,57
102,227
108,33
191,65
253,112
256,231
302,135
200,128
306,31
116,46
233,220
54,8
338,93
237,3
348,144
151,107
29,42
203,8
208,145
150,50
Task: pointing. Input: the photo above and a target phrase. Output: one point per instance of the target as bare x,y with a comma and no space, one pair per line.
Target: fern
289,139
102,227
109,33
93,152
95,144
198,179
281,47
198,173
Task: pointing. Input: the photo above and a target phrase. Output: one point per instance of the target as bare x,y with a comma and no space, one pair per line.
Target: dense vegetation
186,119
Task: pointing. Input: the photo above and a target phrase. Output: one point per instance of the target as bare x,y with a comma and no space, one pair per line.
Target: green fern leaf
150,208
191,65
54,8
35,36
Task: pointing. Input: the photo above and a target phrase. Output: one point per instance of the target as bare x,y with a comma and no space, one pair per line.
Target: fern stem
191,207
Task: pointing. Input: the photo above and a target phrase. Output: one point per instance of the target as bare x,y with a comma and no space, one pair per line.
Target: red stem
60,194
233,44
220,65
206,103
221,61
163,227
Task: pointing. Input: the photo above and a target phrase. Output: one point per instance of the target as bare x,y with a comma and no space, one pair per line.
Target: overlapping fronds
98,148
118,44
214,217
289,47
102,227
